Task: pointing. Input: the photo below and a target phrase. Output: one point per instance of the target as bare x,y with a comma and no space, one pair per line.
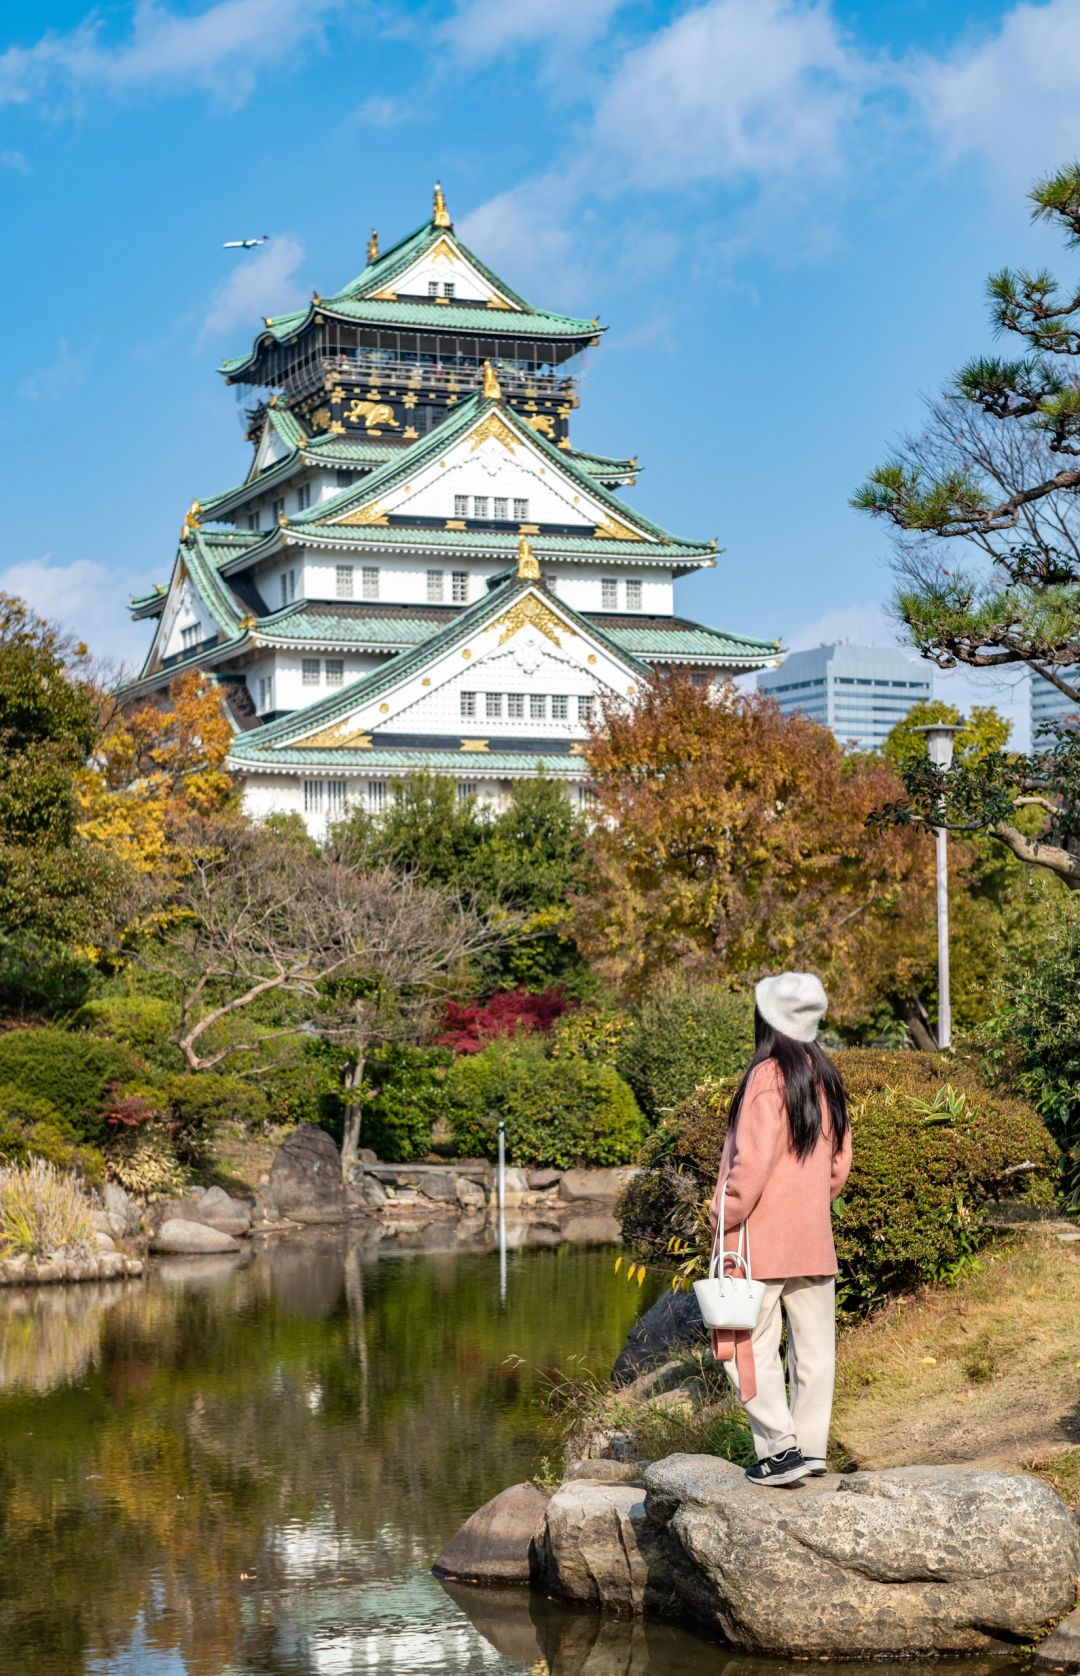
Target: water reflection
246,1468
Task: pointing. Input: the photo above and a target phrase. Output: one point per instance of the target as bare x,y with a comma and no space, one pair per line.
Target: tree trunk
1054,857
918,1026
354,1113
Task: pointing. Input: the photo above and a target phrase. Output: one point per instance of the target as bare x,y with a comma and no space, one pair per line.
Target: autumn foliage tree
733,841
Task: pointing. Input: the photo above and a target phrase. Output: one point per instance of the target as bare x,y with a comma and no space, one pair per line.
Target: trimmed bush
682,1035
73,1072
590,1032
929,1156
33,1128
200,1102
562,1112
407,1095
41,979
141,1022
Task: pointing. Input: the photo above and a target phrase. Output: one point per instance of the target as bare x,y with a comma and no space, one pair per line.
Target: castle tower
419,569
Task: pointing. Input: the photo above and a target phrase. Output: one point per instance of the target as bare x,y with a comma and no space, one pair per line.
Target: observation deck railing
448,374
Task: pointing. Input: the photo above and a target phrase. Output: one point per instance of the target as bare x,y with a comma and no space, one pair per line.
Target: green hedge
928,1157
407,1094
142,1022
680,1036
31,1127
70,1070
562,1112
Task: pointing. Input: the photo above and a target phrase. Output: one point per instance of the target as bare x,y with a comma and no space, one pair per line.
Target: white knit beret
794,1003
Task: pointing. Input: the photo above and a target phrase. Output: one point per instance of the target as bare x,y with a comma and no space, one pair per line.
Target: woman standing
786,1157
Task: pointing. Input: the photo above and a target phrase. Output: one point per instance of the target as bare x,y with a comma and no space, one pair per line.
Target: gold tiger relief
375,414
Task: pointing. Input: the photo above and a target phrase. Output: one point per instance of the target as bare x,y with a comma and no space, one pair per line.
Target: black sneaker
786,1468
816,1467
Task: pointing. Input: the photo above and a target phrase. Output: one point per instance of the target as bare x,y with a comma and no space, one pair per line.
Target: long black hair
807,1072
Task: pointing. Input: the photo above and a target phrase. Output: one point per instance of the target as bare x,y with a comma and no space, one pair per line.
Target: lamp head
939,741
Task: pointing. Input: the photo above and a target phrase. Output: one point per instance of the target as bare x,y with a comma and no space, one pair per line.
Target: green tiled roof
488,542
299,622
476,764
687,640
335,705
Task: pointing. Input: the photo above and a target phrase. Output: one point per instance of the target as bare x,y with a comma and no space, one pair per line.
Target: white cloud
529,231
64,373
85,598
16,161
220,48
380,111
1009,96
265,283
867,624
482,29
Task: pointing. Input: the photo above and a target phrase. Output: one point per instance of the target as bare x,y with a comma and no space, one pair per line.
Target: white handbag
729,1301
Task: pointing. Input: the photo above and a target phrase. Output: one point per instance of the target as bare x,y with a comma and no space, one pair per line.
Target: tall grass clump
41,1210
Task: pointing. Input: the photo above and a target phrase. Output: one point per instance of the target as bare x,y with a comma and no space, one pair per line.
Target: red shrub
470,1025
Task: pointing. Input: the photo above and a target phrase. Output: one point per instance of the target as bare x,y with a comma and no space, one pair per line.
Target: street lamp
939,741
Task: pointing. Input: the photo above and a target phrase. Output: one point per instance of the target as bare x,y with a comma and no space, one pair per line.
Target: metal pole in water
500,1194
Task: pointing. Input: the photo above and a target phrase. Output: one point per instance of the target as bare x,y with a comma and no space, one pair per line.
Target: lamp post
939,741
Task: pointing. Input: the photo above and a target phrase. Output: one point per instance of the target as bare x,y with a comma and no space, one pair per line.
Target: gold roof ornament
373,246
441,215
192,521
492,387
528,566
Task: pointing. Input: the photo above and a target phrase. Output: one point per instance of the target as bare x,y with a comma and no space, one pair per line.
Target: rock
368,1191
125,1211
541,1180
673,1322
606,1472
595,1184
501,1542
917,1559
178,1237
501,1616
596,1441
217,1209
601,1550
470,1194
1061,1649
103,1242
517,1187
440,1185
366,1156
305,1178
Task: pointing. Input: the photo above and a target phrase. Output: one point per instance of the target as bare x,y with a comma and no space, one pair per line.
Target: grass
42,1209
981,1373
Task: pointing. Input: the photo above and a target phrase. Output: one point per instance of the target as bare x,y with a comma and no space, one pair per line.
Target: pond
247,1470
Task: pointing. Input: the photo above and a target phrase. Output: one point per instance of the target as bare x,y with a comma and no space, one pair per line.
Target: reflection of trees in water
49,1336
318,1420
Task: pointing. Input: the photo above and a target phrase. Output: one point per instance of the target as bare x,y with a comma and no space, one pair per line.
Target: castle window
369,581
335,798
587,797
521,511
343,478
303,497
515,706
461,506
560,707
586,708
288,586
468,706
191,635
501,508
480,506
313,797
633,596
466,789
433,288
609,593
538,707
309,672
459,586
277,508
253,521
493,706
448,288
376,796
335,672
343,581
435,584
266,692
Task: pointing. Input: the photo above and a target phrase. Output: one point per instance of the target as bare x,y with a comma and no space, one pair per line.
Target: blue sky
784,211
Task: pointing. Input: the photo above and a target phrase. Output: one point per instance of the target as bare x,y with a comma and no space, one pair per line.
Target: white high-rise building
1048,704
419,568
858,692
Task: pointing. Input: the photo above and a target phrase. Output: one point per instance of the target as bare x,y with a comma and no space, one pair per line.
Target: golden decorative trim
321,418
384,296
410,433
337,394
493,429
373,247
528,567
455,524
592,657
528,529
498,302
532,612
577,750
633,462
631,481
442,252
384,709
337,428
426,682
613,530
564,443
713,545
630,691
544,423
444,302
248,621
366,517
467,653
475,745
440,214
357,740
492,387
409,399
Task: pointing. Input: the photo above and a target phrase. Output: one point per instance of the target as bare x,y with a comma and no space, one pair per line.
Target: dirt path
986,1373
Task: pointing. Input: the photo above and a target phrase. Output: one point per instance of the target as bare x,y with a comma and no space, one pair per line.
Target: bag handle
741,1254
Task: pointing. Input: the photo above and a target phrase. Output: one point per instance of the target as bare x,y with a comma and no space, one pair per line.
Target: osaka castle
420,570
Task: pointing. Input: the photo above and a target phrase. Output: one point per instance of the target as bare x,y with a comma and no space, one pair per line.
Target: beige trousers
810,1307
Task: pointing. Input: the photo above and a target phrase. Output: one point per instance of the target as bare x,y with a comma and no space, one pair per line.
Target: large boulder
214,1208
179,1238
595,1185
125,1212
673,1323
601,1550
1061,1650
918,1559
305,1178
501,1542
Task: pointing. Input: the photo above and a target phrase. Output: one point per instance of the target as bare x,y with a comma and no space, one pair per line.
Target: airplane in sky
245,244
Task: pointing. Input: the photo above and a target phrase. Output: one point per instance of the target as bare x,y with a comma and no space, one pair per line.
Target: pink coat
787,1199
